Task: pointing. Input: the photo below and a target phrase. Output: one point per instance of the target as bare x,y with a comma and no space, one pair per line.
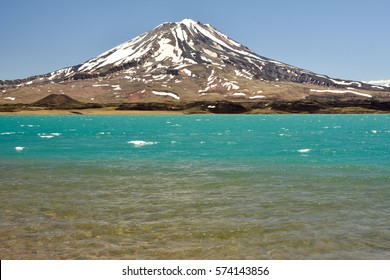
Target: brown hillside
58,101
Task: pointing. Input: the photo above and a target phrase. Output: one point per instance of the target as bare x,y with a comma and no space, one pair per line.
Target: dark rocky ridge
63,102
307,106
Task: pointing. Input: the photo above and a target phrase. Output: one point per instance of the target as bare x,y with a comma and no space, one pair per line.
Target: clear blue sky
347,39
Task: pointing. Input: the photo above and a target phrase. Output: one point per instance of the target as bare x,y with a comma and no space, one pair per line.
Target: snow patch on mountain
342,91
169,94
188,72
383,83
344,83
230,85
257,97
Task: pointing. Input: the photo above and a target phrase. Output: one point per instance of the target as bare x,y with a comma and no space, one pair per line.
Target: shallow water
195,187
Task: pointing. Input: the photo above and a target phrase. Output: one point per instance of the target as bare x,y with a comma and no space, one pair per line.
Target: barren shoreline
103,111
112,111
62,105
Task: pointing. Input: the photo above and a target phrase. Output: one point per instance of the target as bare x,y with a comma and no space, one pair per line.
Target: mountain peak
188,22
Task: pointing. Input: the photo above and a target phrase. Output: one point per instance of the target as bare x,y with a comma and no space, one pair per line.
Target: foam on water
141,143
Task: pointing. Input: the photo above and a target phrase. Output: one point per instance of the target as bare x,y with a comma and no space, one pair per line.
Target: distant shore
304,106
103,111
112,111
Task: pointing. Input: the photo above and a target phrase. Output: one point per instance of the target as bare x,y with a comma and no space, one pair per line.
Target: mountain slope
380,83
184,61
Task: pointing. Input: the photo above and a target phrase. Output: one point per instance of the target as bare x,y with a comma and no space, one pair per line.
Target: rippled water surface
195,187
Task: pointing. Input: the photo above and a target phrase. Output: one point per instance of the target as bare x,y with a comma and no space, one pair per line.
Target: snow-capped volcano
188,60
183,44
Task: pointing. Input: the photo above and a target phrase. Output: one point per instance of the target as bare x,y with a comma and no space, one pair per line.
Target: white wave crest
48,136
141,143
304,151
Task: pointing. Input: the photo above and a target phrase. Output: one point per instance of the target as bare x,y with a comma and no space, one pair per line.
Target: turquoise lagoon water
195,187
